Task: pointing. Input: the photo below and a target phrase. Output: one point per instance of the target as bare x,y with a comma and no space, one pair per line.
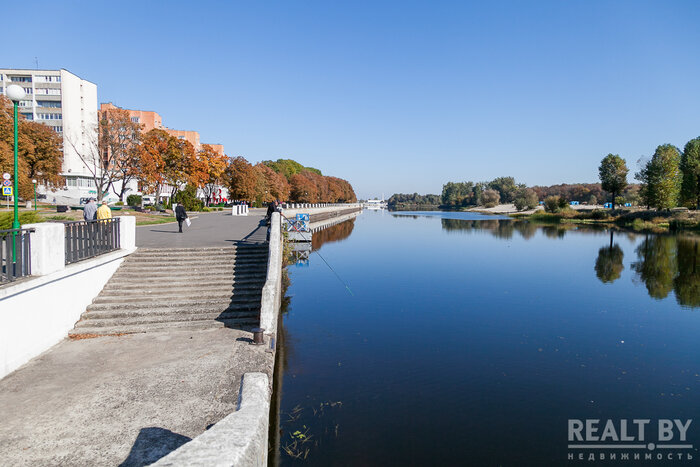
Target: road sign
7,191
7,183
6,176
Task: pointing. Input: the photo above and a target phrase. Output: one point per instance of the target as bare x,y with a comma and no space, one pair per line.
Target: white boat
375,204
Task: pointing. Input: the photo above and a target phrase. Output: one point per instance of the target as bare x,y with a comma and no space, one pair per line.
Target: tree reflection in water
334,233
608,266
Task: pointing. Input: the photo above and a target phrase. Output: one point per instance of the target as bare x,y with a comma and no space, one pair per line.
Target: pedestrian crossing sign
7,191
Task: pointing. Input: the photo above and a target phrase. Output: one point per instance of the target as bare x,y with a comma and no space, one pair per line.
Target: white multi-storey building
67,104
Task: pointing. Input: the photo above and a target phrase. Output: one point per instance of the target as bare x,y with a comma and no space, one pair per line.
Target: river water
471,340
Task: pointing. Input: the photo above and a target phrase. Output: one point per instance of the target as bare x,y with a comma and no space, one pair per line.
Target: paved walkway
125,400
207,229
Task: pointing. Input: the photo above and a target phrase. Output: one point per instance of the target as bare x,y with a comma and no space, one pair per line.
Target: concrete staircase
179,288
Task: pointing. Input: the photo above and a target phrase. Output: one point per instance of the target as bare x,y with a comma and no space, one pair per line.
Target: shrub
25,217
600,214
188,198
206,209
119,203
134,200
554,203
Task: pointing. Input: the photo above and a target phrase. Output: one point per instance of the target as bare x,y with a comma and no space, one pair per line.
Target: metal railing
87,239
15,254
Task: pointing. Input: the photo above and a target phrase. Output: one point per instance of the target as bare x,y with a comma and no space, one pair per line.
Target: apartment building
67,104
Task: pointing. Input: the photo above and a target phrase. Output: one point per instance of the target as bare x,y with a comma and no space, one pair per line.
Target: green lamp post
15,94
34,182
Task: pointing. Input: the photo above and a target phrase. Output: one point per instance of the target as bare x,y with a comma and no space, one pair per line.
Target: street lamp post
34,182
16,94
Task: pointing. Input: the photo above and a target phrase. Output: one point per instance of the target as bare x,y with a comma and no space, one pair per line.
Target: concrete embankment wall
37,313
241,438
317,214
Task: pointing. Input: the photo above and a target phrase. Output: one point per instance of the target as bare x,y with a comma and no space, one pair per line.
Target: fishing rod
347,287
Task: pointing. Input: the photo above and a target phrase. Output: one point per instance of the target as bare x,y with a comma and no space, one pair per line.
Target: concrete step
189,270
189,326
151,319
215,304
199,283
244,310
145,296
169,279
169,252
196,262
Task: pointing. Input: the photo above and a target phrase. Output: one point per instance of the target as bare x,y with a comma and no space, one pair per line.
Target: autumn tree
613,175
151,167
271,185
181,166
215,163
241,179
303,188
39,151
690,169
119,145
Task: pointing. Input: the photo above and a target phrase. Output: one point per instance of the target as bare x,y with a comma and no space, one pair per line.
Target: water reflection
608,266
333,233
669,263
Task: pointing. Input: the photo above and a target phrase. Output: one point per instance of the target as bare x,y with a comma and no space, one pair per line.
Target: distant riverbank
637,219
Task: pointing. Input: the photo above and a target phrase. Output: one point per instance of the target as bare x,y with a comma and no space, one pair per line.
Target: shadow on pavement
151,444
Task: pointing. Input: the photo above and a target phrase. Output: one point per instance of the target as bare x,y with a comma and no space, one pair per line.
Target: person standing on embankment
180,215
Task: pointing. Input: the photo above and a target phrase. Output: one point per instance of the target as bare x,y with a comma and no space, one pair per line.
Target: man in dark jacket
180,215
271,207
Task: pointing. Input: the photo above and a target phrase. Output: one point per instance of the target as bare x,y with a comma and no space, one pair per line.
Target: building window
49,116
28,90
180,137
20,79
57,129
25,103
53,104
135,119
28,116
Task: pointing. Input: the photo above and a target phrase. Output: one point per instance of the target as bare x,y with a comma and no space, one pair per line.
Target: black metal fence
15,254
87,239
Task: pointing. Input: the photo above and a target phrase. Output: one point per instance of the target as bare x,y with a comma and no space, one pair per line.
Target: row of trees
285,179
161,164
489,194
670,178
399,199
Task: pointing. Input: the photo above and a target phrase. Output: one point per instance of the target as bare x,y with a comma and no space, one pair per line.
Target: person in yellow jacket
103,212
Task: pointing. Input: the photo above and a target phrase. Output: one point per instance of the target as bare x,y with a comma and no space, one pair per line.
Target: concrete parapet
127,232
48,248
271,299
239,210
240,439
313,210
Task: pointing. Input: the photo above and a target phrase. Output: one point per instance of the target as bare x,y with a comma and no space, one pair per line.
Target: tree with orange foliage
271,185
153,151
242,179
39,151
303,188
181,166
119,145
215,163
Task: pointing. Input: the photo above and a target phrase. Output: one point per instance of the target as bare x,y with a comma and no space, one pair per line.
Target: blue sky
393,96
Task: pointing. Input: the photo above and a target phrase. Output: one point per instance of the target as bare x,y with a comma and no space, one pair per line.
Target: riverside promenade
131,399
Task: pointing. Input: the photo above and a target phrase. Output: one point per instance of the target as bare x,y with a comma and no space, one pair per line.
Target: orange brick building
150,120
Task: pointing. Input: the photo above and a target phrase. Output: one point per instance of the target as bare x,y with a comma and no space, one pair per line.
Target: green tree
661,178
525,198
690,169
613,175
506,188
